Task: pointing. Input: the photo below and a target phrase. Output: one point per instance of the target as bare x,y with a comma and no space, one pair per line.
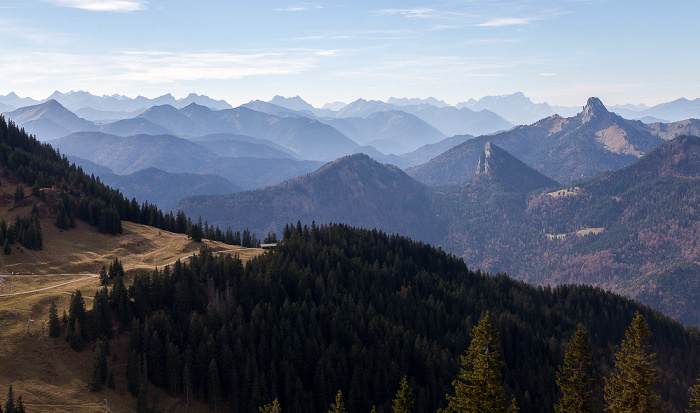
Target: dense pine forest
338,308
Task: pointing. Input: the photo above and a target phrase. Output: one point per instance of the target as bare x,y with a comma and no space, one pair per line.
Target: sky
555,51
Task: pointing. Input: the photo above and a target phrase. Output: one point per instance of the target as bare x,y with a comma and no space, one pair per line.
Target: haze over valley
341,206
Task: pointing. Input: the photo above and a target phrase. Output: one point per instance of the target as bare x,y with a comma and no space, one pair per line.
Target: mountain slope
307,138
390,131
510,172
452,121
49,120
631,231
565,149
354,189
125,155
164,189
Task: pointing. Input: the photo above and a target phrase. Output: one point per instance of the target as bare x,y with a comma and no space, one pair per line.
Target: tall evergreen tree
98,368
10,403
54,323
213,384
573,376
478,388
694,398
404,401
272,407
339,405
630,386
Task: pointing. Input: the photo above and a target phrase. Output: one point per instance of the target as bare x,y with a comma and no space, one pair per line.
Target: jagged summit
510,172
594,109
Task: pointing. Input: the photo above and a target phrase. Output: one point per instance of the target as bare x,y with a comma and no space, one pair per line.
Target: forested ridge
338,308
67,192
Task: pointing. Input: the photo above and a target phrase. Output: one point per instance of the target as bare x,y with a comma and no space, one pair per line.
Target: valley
562,203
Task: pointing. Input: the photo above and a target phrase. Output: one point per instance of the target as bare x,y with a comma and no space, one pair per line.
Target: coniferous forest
338,308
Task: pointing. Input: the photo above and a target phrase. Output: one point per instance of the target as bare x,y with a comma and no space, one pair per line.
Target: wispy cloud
415,12
301,7
507,21
548,74
103,5
156,67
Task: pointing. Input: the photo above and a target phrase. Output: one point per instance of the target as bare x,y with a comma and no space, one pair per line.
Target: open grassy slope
48,374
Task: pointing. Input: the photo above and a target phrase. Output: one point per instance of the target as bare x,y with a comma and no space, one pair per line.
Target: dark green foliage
272,407
630,387
133,372
573,377
103,275
65,216
271,238
19,193
101,315
76,331
98,368
339,405
6,247
26,230
115,269
479,387
213,384
404,401
196,232
54,323
694,398
246,241
10,403
340,308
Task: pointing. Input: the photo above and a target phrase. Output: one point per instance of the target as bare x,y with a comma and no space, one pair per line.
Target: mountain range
609,230
222,155
109,108
565,149
158,187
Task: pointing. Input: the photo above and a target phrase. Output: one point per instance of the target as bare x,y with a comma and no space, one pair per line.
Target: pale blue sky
561,52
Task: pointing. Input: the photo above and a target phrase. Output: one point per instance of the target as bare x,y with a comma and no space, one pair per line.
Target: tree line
334,307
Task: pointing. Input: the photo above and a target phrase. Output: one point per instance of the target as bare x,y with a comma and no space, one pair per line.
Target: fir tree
272,407
98,369
573,376
213,384
694,398
478,388
54,323
103,275
10,403
404,401
630,386
339,405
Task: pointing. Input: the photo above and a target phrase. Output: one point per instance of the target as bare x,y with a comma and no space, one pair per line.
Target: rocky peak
594,109
499,166
485,160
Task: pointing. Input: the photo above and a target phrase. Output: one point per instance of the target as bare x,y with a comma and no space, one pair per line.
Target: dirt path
90,276
53,286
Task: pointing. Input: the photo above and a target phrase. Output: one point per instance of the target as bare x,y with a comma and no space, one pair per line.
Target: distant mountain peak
292,103
594,109
502,167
